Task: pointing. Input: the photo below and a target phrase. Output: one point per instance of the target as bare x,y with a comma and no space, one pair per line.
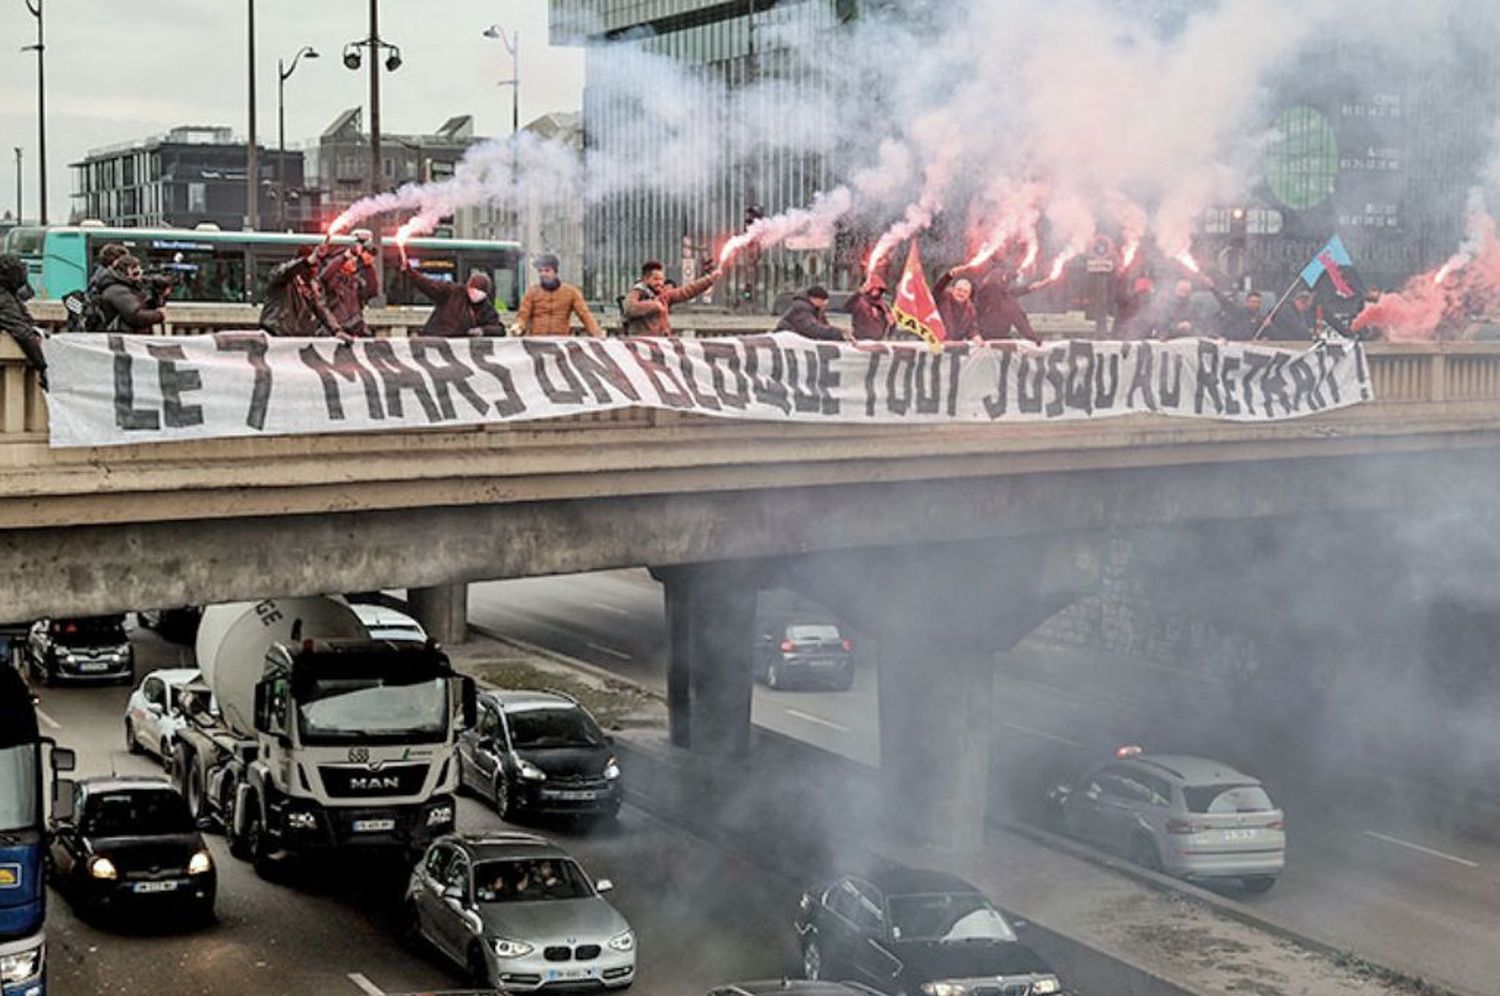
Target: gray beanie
547,259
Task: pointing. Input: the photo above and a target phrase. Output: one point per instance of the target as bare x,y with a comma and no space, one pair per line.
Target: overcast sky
119,72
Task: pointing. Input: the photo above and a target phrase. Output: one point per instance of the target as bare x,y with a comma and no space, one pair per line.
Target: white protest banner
109,390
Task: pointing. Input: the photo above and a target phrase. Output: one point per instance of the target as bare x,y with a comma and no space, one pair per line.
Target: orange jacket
545,312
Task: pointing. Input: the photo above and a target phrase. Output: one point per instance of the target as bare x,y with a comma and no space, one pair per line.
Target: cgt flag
915,310
1331,273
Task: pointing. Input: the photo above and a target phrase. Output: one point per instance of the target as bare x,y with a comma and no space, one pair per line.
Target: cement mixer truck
305,735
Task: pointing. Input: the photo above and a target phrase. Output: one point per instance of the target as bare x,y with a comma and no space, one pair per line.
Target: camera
158,284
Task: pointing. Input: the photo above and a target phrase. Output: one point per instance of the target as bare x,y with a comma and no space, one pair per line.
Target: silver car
1186,816
519,915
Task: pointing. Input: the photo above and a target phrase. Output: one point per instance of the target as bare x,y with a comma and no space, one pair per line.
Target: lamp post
392,63
41,110
18,185
512,44
252,163
283,73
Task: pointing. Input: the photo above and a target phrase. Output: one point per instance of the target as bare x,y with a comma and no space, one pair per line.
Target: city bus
209,265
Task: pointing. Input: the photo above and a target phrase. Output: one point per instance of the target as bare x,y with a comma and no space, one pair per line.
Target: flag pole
1279,305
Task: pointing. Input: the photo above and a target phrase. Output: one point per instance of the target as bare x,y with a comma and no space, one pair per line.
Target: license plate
556,974
373,826
1239,834
93,666
573,796
156,886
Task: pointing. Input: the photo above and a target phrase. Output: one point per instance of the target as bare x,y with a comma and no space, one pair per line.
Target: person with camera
349,281
128,300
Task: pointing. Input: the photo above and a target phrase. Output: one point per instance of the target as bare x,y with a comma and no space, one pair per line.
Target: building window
197,198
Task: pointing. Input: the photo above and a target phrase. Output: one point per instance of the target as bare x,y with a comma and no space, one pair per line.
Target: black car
539,752
88,648
179,625
917,933
793,987
804,654
118,843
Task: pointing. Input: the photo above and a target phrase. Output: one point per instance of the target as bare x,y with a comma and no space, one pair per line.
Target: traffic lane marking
368,987
611,608
607,650
809,717
48,720
1398,842
1040,733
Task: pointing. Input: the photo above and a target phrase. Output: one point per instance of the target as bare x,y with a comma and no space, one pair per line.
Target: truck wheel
179,766
239,847
197,799
131,747
257,844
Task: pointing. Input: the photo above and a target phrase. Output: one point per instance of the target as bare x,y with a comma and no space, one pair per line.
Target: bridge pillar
710,629
940,613
443,611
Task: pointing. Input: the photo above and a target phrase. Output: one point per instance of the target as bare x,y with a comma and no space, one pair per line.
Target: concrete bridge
904,530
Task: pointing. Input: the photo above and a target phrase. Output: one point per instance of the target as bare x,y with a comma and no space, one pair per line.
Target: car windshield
92,631
530,880
952,917
1227,799
18,799
565,726
348,706
807,634
136,813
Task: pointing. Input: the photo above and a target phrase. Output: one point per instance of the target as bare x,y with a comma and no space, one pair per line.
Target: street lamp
18,185
41,110
283,73
512,43
392,63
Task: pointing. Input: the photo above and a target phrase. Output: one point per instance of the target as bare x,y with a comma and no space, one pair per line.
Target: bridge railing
1403,375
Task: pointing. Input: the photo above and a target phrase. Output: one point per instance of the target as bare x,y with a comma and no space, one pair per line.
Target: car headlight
612,769
510,949
301,820
102,867
63,653
529,771
944,988
1043,986
200,863
439,815
22,965
623,942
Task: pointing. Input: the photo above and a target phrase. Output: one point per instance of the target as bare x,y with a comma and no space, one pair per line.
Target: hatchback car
911,931
793,987
88,648
1186,816
122,843
539,752
800,655
153,714
519,914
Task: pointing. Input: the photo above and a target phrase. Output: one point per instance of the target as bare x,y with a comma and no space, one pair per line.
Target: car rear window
1227,799
809,633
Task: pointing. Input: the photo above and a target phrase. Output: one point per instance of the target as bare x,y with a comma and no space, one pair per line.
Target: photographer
128,301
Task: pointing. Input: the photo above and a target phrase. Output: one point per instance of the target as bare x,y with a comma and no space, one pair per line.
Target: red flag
915,309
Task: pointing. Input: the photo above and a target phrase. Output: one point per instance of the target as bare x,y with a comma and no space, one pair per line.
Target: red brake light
848,645
787,646
1277,825
70,628
1129,750
1182,826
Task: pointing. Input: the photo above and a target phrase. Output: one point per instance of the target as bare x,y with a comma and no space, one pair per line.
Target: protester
997,308
349,281
15,317
549,305
1183,314
955,301
1238,320
808,316
872,315
1295,323
123,301
648,306
1134,316
295,303
458,310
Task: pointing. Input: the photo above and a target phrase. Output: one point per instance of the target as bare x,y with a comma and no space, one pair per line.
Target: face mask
551,283
25,293
476,295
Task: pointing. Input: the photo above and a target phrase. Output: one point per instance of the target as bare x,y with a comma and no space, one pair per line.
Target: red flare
1186,259
1058,266
1128,253
733,247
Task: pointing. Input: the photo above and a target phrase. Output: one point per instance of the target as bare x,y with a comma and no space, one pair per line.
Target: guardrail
1462,375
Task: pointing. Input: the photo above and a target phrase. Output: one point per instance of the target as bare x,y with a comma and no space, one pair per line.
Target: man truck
305,735
23,840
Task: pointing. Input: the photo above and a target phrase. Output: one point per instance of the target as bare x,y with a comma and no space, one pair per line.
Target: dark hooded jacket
453,314
872,316
997,308
807,319
347,294
123,304
15,317
295,304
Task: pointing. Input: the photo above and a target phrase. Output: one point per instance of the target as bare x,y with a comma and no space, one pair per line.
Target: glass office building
731,43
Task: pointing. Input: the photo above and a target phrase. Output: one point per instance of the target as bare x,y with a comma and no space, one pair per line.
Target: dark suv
539,752
88,648
803,654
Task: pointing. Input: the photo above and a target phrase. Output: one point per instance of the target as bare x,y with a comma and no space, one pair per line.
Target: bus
208,265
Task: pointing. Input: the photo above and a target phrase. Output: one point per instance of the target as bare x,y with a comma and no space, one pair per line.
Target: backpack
96,315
